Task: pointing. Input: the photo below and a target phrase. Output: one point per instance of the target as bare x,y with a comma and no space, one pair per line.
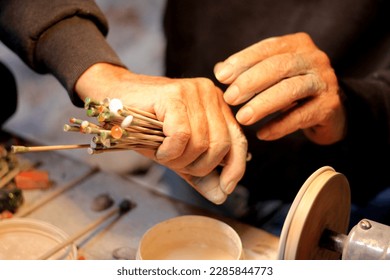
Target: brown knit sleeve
62,37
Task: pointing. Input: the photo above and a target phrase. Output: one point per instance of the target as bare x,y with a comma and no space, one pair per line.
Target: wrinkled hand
290,78
201,132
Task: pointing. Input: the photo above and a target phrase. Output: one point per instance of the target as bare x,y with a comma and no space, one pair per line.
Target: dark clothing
356,37
8,90
66,37
60,37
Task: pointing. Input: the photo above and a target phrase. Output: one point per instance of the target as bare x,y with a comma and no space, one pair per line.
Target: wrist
96,81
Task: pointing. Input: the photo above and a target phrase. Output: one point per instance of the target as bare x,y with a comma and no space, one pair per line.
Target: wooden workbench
71,211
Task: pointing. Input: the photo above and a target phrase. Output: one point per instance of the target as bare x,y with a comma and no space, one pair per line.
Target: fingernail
244,115
228,189
263,134
160,155
223,71
231,94
217,67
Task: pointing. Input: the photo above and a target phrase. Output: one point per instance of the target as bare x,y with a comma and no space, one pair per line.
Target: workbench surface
71,210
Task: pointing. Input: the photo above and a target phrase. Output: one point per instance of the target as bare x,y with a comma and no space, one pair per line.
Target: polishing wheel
322,204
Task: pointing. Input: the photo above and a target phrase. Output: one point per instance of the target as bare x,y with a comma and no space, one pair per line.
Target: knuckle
291,86
222,148
203,83
313,84
304,37
182,136
304,119
201,146
203,166
322,60
173,88
284,64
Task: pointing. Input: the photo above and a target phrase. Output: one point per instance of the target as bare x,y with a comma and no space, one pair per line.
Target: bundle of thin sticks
118,128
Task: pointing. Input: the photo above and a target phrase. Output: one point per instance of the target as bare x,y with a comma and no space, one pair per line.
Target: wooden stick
154,122
15,171
123,208
141,112
4,168
59,191
114,149
9,176
24,149
136,128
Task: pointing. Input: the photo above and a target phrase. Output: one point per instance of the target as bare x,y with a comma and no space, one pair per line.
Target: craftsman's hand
291,77
201,132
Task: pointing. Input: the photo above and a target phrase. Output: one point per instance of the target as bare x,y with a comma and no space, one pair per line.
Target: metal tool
317,222
367,240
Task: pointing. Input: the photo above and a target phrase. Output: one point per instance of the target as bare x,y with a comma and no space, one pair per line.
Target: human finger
278,98
208,186
177,133
228,70
218,133
234,163
193,138
320,119
266,74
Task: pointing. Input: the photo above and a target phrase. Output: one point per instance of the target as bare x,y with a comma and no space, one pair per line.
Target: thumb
208,186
